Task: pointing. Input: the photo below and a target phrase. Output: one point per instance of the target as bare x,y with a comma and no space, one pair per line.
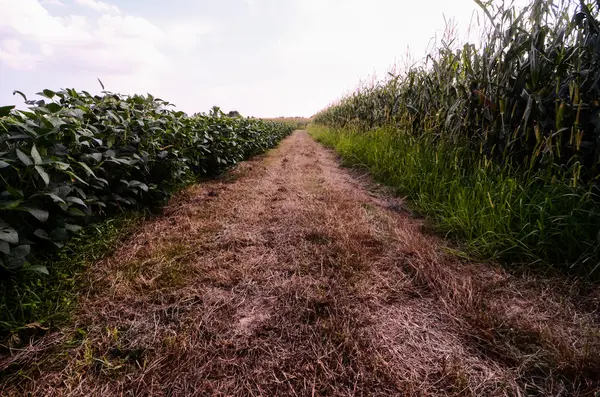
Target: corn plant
523,104
530,94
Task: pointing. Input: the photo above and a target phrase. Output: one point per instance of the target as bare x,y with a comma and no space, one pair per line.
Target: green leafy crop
73,158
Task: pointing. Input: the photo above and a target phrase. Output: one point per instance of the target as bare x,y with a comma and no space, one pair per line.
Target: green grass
48,300
498,211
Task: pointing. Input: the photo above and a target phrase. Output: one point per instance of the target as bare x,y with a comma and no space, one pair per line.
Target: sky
263,58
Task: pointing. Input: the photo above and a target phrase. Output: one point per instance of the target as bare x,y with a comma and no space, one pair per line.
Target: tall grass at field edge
498,211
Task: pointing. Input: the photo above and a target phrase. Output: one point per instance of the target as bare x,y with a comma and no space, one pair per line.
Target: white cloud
53,2
128,28
99,6
11,54
107,45
184,36
252,7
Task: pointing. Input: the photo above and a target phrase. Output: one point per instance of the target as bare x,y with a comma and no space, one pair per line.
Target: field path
295,277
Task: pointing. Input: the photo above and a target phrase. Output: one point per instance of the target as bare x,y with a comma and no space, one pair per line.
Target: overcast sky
264,58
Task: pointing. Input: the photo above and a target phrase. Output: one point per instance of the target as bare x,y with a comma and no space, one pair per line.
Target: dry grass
290,278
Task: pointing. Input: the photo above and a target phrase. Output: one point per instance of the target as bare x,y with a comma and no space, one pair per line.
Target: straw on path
295,277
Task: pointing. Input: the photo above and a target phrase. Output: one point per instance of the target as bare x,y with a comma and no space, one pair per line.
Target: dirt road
294,277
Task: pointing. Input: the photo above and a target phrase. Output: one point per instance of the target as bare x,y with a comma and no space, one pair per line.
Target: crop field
296,122
499,145
432,233
73,159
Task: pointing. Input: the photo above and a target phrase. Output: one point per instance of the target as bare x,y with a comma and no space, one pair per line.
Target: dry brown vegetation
295,277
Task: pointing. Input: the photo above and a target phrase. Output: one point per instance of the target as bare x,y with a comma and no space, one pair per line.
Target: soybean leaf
77,113
43,174
75,200
75,212
86,133
37,159
24,158
55,198
96,156
75,176
72,228
62,191
49,94
41,234
8,233
55,121
16,258
5,110
4,247
39,214
87,168
61,166
54,107
59,234
26,128
81,193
